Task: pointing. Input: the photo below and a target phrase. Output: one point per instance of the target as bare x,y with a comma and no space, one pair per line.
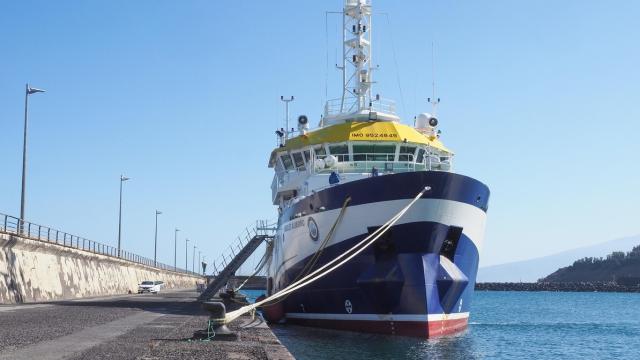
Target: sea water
503,325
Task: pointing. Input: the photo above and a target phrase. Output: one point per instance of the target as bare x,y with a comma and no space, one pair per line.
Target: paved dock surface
145,327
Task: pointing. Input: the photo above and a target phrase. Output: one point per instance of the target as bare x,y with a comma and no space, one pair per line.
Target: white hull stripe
379,317
298,243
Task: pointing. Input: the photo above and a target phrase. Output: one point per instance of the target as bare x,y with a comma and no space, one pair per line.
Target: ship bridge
352,151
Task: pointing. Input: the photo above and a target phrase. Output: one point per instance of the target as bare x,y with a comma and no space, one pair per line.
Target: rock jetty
595,286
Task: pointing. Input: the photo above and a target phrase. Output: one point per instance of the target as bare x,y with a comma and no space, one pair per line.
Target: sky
539,100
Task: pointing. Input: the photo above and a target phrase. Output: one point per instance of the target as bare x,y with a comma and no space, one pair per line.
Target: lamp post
175,249
122,179
155,244
193,259
28,91
199,262
186,255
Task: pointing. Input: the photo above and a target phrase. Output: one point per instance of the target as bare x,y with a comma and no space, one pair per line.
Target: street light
28,91
193,259
175,250
122,179
186,244
199,262
155,246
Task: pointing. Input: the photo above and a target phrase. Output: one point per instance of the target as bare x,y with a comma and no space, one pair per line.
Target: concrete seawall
34,271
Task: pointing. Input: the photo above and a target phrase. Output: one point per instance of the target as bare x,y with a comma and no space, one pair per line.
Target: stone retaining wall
34,271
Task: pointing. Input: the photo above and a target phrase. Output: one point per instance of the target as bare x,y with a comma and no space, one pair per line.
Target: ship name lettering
294,224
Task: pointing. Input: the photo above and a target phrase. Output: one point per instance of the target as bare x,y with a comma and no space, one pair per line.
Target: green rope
210,332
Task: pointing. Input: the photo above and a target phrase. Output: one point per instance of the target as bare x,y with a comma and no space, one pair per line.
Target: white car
150,286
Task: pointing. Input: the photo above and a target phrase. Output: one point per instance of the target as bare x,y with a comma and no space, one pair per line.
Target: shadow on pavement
172,303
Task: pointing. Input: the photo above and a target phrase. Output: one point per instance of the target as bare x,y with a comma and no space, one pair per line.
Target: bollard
217,312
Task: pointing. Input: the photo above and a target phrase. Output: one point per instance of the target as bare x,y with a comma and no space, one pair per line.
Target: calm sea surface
503,325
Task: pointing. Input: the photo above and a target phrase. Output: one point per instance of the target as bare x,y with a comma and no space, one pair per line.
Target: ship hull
415,280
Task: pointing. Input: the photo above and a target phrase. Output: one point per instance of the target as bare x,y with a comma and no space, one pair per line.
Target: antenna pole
286,117
433,72
433,100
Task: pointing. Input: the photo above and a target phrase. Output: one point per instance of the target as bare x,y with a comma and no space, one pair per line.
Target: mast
356,56
356,102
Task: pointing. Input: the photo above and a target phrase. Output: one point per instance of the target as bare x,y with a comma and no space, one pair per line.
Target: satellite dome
425,121
330,161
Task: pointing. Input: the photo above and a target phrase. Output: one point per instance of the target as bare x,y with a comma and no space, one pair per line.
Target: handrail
261,228
338,106
12,225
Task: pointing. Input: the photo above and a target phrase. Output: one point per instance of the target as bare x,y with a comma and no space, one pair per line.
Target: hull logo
313,229
347,306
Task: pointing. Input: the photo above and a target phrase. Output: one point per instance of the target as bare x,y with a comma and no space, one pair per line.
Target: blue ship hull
416,280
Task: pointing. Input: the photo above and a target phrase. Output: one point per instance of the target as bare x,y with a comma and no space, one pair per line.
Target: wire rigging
395,62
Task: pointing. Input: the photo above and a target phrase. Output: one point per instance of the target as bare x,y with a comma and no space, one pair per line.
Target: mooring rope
319,273
316,256
311,263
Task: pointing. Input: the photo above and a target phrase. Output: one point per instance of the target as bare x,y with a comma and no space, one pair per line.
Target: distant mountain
535,269
619,267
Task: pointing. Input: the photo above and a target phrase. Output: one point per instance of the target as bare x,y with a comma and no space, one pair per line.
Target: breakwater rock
595,286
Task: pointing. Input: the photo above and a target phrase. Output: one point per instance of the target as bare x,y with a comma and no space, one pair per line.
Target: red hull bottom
424,329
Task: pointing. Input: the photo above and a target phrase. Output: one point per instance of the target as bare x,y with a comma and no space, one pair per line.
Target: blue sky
539,101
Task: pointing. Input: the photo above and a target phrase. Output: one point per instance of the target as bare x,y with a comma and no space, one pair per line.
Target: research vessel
336,184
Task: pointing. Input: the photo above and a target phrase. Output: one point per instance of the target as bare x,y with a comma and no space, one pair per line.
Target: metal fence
12,225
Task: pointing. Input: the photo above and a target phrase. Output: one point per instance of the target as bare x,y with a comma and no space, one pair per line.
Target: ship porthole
348,307
314,233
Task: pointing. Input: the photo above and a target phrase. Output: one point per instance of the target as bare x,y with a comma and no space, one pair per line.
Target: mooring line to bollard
319,273
314,259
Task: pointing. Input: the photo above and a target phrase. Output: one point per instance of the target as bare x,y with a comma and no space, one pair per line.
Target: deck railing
335,107
12,225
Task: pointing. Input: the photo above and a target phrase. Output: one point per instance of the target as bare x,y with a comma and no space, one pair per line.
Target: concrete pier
163,326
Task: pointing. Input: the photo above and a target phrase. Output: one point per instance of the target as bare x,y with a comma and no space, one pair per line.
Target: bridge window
299,161
320,151
406,153
340,151
373,152
286,161
307,156
420,157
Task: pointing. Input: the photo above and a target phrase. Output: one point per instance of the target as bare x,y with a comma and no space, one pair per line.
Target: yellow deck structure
360,131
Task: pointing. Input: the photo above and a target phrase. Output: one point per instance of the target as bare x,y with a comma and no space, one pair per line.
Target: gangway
253,238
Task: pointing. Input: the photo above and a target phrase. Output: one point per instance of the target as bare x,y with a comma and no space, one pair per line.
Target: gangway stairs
229,265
